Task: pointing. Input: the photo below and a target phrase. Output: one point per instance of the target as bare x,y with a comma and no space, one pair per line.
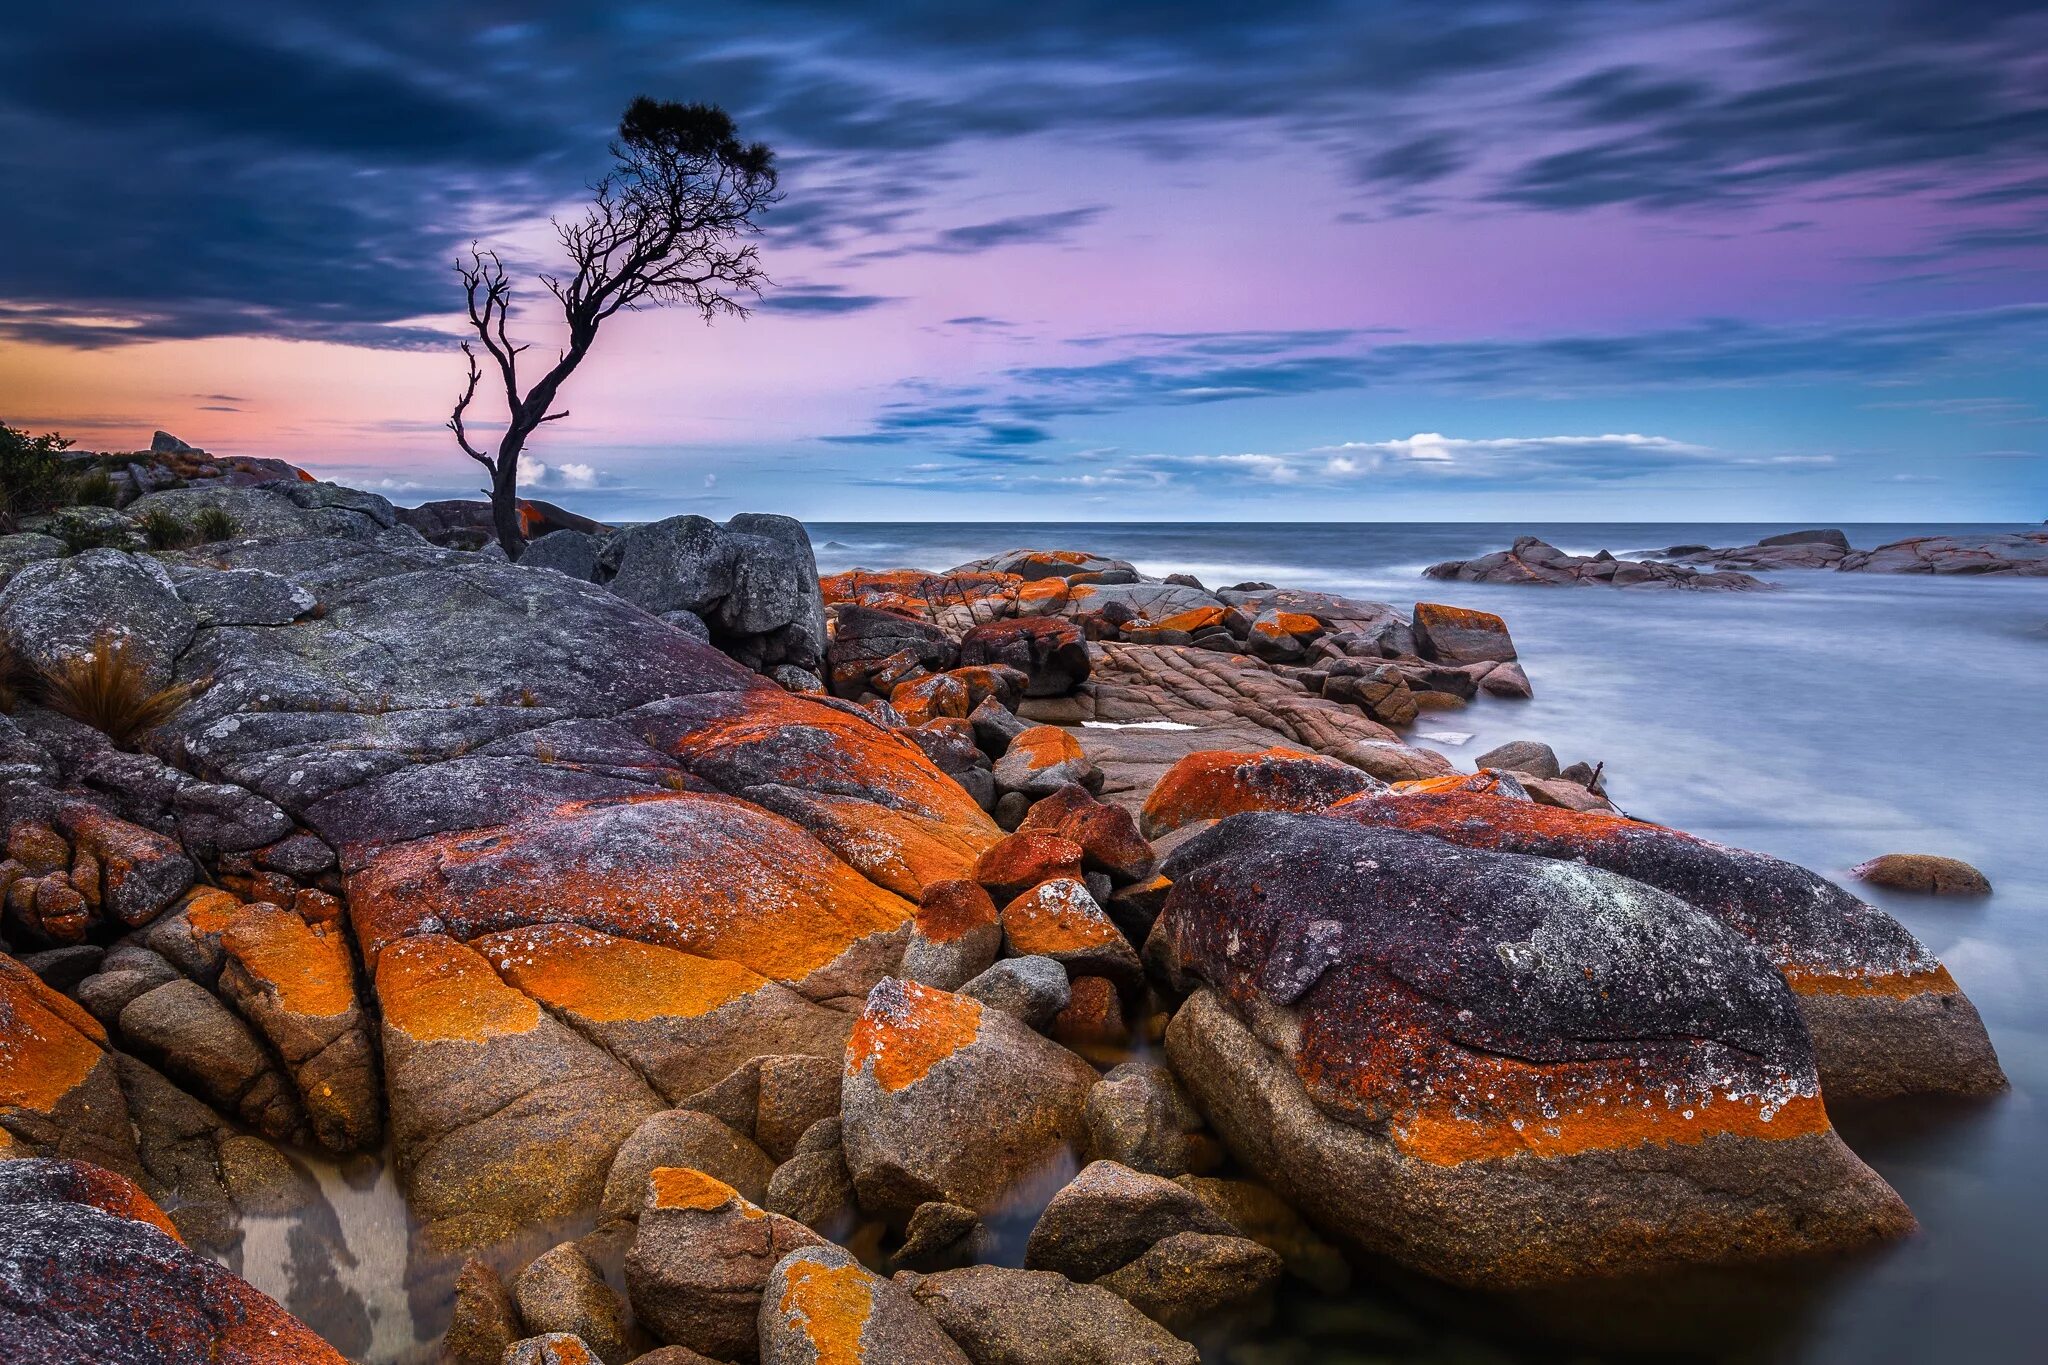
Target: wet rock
813,1186
700,1259
1000,1316
1194,1283
940,1236
1501,1070
1033,989
1507,680
1043,759
1531,561
1526,756
947,1100
821,1304
1093,1022
1885,1016
1269,1220
2023,554
1108,1215
956,936
1211,785
1047,650
90,1271
1380,690
1925,873
1458,635
689,1138
484,1323
562,1292
202,1043
1140,1117
1060,919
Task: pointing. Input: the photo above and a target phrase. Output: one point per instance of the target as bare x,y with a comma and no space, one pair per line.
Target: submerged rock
1497,1069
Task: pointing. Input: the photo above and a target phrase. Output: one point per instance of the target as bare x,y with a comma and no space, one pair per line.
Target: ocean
1845,716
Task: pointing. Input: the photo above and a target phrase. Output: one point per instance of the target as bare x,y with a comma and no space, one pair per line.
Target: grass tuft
215,523
164,531
109,690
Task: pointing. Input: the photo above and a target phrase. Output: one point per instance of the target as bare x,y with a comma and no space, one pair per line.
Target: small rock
561,1292
822,1307
1522,756
1033,989
1141,1118
684,1137
1059,919
940,1236
1926,873
1001,1316
484,1324
1108,1215
1192,1283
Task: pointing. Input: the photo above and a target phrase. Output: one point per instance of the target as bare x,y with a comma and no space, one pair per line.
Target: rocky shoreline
1701,568
779,938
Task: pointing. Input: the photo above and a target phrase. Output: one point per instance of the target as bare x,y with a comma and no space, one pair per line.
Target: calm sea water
1845,716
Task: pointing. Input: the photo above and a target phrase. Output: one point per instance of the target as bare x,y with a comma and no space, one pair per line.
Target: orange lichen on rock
931,697
779,738
898,850
907,1029
1057,918
1045,746
1892,985
705,874
606,979
72,1181
1297,624
1486,782
308,966
1194,619
1042,594
951,910
1025,859
437,990
48,1045
1214,783
684,1187
831,1305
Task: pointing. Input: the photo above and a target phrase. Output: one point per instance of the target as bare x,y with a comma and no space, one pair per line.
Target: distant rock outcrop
1532,561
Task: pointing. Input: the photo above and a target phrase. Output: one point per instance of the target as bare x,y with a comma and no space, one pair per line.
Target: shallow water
1845,716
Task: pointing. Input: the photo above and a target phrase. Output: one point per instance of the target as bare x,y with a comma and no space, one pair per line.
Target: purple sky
1662,258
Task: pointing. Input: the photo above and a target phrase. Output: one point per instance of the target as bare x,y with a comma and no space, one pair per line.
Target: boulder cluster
1535,562
707,1019
1731,568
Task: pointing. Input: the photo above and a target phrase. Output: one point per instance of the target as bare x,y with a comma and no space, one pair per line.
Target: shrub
80,535
32,474
10,676
108,690
214,523
94,489
163,530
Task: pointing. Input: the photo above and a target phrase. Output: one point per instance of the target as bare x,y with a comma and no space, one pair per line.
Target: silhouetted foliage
33,477
668,224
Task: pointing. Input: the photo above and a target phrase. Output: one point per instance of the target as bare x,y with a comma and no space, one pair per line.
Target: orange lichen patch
776,737
1056,918
1459,618
1291,623
912,591
705,874
1025,859
48,1045
1042,594
437,990
1194,619
1892,985
684,1187
209,911
606,979
1447,1140
951,910
900,851
908,1029
930,697
1045,746
831,1305
308,966
1213,784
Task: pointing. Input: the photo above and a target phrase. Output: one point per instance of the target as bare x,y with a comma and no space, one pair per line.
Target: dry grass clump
108,690
214,523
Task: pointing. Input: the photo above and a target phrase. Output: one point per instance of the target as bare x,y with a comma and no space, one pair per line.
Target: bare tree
668,224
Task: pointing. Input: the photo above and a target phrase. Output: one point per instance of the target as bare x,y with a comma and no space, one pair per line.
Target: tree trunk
505,501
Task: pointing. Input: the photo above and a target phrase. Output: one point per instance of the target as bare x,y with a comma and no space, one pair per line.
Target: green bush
214,523
93,489
164,531
33,478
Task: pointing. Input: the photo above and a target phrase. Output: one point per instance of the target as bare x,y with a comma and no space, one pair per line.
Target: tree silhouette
668,224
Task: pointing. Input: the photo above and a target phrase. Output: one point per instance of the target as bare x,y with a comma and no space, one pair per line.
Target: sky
1418,259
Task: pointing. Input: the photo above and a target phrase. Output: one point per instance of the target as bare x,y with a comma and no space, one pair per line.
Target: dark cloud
819,300
305,170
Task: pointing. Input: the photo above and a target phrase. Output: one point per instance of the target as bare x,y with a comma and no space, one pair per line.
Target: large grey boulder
568,552
753,581
56,608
